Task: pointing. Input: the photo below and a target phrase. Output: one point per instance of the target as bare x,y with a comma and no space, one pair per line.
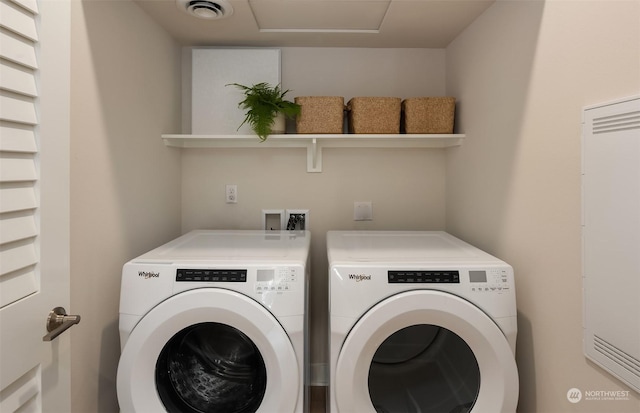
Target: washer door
426,351
208,350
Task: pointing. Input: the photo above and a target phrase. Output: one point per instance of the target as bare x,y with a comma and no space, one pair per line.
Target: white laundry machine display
214,321
419,322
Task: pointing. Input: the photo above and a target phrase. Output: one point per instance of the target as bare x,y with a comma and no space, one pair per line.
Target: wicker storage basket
428,114
320,114
374,115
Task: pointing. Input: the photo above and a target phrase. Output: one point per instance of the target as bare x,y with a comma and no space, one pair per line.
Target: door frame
54,211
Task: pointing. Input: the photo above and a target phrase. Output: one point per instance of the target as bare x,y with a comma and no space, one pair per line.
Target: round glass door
211,367
423,368
425,351
209,350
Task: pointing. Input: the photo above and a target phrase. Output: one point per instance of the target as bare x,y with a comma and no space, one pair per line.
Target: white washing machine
214,321
419,322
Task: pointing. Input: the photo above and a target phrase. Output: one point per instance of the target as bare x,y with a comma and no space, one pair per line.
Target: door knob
58,322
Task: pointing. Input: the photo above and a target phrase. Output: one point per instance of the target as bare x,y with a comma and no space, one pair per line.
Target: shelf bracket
314,156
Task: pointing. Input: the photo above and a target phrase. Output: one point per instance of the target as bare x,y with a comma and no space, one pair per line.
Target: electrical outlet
231,194
362,211
297,219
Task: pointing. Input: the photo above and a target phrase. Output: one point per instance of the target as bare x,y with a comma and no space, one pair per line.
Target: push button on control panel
209,275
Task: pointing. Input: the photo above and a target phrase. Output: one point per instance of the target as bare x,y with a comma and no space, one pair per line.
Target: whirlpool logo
360,277
148,274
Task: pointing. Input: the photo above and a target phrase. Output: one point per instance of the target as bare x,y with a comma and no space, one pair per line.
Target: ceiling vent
206,9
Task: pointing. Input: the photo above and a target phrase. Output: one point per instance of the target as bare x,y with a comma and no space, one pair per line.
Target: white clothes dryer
419,322
214,321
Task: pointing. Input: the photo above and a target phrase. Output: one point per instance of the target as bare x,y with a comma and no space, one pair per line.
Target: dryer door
426,351
208,350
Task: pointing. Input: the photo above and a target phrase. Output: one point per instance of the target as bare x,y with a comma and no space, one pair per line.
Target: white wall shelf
315,143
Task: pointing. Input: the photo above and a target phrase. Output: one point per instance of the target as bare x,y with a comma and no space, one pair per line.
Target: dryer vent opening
206,9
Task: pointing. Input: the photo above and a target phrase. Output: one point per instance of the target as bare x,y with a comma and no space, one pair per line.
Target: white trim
608,103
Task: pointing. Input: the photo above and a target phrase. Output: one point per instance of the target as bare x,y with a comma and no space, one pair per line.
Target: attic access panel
319,15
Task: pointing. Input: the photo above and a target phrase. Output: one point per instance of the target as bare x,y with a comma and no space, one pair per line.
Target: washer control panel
210,275
279,279
273,279
487,281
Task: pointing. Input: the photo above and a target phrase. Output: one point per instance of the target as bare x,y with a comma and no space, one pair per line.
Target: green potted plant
264,104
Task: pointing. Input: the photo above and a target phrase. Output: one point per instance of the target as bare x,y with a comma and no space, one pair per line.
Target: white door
34,203
611,237
169,357
464,363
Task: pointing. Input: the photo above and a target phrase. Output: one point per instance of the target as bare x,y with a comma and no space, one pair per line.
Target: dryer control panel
424,277
475,280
